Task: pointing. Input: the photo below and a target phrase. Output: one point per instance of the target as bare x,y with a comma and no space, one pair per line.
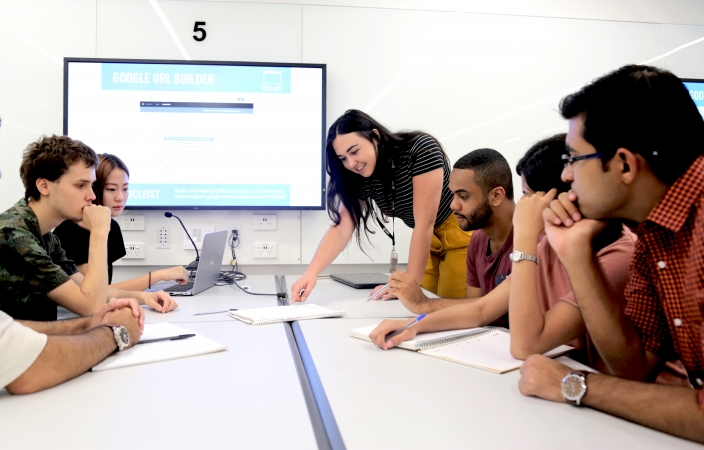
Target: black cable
233,276
252,293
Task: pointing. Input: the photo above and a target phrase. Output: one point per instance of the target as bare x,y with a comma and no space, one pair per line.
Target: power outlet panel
264,250
135,251
265,222
163,237
198,233
131,222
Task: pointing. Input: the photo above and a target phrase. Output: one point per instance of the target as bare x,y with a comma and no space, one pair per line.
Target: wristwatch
574,386
122,337
520,256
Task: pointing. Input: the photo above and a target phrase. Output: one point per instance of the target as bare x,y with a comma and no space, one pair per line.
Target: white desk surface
334,295
218,298
400,399
246,397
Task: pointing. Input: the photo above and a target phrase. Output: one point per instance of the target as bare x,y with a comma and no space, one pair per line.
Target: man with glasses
635,154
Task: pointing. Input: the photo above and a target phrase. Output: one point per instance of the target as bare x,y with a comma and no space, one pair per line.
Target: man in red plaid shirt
634,153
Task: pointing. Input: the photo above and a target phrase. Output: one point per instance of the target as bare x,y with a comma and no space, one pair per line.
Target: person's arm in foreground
65,357
83,324
159,301
671,409
90,294
404,286
335,240
532,331
177,273
613,334
466,315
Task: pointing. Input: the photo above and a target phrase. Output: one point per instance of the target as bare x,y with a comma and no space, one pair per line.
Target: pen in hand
378,292
401,330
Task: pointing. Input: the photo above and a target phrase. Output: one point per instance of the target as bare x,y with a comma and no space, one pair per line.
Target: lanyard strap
391,236
381,224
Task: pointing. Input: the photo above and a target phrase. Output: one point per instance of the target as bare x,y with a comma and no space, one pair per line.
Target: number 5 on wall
197,28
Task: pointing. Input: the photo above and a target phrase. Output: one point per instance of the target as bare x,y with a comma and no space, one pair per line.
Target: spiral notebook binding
440,342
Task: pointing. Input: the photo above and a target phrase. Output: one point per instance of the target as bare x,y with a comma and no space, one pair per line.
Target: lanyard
381,224
391,236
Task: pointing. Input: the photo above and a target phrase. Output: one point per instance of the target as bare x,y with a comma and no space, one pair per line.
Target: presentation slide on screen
696,91
204,135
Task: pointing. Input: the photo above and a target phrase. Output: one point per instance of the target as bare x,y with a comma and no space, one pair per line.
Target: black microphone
194,264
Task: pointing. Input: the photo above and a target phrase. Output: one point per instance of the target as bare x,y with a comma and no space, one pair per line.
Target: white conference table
218,298
400,399
334,295
248,396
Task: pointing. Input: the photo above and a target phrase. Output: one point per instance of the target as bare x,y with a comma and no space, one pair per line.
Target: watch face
515,256
124,335
572,387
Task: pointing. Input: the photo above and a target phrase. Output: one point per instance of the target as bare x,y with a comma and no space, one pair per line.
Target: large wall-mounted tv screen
204,134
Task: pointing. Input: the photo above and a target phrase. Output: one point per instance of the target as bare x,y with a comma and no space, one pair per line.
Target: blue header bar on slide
696,91
195,78
142,194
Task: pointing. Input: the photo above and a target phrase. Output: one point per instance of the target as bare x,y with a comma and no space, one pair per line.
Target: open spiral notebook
484,348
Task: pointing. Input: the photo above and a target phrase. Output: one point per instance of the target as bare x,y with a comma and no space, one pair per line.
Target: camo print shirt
31,265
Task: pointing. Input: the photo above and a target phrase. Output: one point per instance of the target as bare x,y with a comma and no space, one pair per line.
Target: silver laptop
208,266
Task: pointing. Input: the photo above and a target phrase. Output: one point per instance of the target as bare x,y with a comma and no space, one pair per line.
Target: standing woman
407,175
111,189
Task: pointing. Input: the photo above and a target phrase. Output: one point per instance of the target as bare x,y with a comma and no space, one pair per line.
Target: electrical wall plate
264,250
135,251
163,237
131,222
265,222
198,233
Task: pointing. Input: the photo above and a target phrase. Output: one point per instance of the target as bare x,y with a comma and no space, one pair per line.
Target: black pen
169,338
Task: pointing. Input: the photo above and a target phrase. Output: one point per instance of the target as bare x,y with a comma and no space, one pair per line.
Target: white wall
473,73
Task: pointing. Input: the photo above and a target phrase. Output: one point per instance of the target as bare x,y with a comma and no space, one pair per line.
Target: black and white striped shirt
424,156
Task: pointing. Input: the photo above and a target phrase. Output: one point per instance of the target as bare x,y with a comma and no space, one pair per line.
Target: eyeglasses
569,160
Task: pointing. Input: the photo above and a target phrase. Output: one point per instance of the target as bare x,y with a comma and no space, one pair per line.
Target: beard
479,218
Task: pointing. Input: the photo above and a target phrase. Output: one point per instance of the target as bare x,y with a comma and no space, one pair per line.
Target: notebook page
160,351
161,330
489,352
276,314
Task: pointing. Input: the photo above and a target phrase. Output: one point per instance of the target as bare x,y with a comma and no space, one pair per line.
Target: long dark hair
344,186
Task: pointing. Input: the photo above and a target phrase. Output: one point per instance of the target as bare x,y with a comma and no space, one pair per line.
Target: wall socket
163,237
264,250
131,222
198,233
135,251
265,222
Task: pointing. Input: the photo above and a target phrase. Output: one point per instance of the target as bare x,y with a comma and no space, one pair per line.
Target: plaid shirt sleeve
644,309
